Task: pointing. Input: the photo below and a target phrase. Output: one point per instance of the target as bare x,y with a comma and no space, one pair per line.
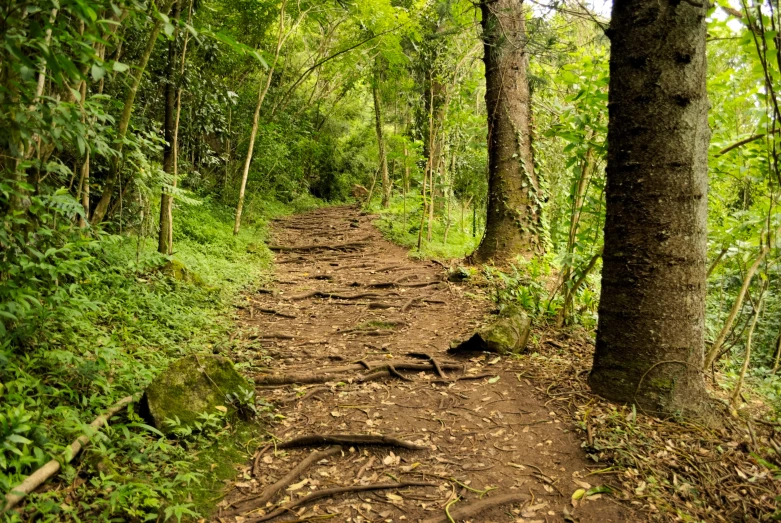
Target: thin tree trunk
747,355
650,337
513,207
124,120
169,123
262,90
725,330
383,160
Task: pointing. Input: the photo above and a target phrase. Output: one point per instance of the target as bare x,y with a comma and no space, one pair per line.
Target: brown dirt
499,434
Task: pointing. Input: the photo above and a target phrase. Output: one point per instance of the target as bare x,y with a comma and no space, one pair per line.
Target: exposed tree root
477,508
309,393
466,377
277,313
264,497
321,294
320,246
336,373
378,305
318,494
433,361
348,439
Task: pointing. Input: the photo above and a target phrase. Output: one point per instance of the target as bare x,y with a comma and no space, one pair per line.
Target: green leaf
98,72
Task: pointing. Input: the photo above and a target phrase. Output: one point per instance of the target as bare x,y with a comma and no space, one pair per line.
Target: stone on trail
509,334
190,386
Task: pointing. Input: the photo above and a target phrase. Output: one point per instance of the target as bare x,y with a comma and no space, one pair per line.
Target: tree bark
650,337
383,160
262,90
513,207
164,243
124,120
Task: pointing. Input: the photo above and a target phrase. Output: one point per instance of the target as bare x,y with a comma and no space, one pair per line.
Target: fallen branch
264,497
37,478
348,439
318,494
477,508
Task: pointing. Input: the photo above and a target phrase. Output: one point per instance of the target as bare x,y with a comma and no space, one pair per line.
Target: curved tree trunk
651,315
513,210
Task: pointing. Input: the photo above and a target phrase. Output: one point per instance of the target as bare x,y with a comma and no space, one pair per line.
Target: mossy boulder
509,334
179,271
190,386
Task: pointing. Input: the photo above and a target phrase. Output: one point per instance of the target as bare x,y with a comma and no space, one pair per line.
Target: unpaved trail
362,299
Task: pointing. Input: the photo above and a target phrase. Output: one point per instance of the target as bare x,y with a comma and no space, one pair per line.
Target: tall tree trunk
164,243
124,120
262,91
652,311
383,160
513,208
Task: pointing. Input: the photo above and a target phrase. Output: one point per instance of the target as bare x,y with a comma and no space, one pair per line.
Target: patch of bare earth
353,332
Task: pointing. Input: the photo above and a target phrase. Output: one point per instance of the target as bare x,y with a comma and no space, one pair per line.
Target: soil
497,434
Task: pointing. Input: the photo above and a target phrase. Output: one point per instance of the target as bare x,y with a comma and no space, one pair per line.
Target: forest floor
342,295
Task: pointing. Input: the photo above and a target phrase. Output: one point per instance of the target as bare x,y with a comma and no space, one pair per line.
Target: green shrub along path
126,315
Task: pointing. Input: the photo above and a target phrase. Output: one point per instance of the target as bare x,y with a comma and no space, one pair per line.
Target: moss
219,464
191,386
179,271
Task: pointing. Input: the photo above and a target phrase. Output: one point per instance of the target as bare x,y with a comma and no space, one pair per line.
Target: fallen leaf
494,379
299,485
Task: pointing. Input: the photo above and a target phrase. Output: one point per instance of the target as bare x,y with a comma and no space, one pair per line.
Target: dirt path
364,299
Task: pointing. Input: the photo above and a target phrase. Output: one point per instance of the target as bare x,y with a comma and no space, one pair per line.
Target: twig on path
348,439
264,497
365,467
318,494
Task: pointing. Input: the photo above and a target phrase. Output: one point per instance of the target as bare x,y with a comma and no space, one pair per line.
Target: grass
402,228
123,321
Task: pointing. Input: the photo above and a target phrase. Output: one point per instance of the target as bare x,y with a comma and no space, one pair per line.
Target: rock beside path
507,335
191,386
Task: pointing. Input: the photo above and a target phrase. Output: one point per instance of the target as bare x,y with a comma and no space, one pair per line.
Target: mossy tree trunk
651,315
513,211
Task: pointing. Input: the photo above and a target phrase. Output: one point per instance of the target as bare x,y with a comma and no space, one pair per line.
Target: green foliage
104,320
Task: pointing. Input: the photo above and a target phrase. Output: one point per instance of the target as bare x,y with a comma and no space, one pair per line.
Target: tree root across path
477,508
318,494
376,370
265,496
348,439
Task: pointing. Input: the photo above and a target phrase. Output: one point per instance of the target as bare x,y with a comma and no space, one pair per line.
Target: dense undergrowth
400,222
89,318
